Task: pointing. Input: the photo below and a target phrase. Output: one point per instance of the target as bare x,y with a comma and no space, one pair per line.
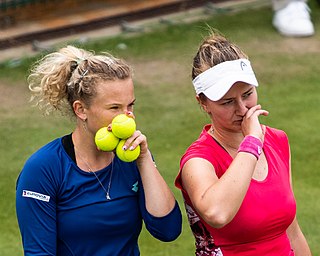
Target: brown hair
214,50
70,74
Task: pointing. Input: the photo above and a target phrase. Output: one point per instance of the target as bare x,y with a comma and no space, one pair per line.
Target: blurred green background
167,112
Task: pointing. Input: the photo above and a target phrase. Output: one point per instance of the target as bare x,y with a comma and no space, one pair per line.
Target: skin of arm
218,200
298,241
159,198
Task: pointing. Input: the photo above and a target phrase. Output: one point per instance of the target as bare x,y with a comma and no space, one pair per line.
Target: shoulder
46,159
45,169
201,142
202,148
47,152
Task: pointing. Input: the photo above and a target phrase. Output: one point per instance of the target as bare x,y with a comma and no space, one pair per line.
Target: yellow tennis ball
123,126
127,155
105,140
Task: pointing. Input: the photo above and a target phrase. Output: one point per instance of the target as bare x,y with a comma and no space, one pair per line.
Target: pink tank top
259,227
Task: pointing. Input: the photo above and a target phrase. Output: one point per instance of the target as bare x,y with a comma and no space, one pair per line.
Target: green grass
169,115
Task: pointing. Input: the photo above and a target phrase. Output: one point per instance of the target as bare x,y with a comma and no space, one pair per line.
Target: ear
80,110
202,104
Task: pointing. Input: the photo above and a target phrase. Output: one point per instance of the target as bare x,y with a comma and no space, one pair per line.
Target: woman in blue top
73,199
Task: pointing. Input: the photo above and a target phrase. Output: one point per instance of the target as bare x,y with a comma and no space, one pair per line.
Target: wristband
252,145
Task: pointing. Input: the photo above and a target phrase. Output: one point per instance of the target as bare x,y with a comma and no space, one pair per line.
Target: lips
238,121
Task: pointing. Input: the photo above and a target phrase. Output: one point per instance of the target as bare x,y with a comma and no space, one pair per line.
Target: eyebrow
119,104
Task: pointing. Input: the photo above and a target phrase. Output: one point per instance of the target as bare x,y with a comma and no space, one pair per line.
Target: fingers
130,114
256,111
136,139
263,128
251,125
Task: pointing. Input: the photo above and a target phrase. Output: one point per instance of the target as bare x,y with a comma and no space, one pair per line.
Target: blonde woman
73,199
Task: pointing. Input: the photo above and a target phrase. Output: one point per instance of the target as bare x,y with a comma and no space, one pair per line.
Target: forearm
301,247
297,240
158,196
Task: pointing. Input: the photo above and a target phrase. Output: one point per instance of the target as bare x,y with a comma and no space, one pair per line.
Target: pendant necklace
91,171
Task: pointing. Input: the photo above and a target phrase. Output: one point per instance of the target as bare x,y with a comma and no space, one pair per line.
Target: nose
241,108
126,110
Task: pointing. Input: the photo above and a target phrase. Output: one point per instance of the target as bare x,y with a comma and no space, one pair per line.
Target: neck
229,140
87,154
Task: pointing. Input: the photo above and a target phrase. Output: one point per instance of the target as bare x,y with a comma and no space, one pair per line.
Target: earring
84,124
204,109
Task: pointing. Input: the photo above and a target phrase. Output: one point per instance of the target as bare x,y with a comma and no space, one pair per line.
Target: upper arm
198,175
36,212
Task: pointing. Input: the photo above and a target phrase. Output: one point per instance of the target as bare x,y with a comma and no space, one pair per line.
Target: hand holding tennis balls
127,155
123,127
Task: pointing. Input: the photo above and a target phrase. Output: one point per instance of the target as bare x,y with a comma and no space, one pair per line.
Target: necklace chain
226,146
107,191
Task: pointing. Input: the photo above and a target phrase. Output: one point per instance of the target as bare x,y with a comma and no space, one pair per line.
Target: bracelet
252,145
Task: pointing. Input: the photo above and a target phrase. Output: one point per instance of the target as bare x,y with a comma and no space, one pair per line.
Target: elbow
171,236
216,219
167,233
167,228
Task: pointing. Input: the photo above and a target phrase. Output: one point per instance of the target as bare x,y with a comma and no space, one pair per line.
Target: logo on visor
243,65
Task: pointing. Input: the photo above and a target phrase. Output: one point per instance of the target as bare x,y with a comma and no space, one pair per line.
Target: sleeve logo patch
35,195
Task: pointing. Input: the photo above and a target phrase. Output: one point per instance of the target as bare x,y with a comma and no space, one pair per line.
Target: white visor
215,82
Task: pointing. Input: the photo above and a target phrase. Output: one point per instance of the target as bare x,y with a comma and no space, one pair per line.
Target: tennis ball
105,140
127,155
123,126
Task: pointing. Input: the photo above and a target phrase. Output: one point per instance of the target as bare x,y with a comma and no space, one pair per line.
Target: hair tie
83,74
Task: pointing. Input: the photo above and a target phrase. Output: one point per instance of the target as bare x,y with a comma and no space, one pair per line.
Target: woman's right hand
250,124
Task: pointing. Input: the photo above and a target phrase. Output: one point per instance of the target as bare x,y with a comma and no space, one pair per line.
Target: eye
114,107
246,95
227,102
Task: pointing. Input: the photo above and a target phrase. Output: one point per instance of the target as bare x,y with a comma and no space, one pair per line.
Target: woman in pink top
236,178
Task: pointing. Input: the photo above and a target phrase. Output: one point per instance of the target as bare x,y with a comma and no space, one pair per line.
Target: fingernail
131,148
124,148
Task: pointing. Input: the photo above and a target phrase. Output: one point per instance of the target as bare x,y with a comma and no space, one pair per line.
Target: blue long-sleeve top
63,210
